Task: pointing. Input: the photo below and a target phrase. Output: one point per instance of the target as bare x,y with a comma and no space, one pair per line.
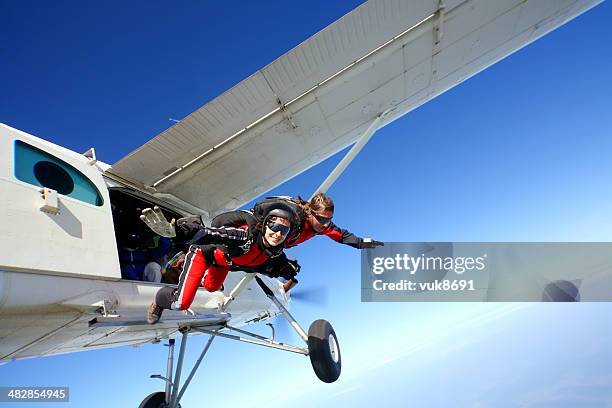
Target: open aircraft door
56,211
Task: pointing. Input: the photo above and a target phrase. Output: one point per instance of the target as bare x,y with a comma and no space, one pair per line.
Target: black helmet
279,212
282,210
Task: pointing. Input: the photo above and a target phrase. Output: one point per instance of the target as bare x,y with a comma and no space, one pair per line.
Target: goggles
278,227
321,219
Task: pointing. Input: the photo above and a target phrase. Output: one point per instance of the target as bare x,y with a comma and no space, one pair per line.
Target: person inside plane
132,257
214,251
156,255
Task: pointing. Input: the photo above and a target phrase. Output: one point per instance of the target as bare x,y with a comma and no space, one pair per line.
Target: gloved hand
290,270
155,219
367,243
287,271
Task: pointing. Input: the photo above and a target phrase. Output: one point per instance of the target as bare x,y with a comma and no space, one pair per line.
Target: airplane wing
315,100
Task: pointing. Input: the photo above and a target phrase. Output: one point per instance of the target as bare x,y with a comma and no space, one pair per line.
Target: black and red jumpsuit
234,242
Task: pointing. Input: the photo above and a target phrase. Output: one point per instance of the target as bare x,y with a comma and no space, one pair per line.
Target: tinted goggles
278,227
321,219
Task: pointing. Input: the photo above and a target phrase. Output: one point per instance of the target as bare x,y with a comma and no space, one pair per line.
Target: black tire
155,400
324,351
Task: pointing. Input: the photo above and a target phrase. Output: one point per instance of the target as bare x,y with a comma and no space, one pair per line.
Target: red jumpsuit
213,252
334,232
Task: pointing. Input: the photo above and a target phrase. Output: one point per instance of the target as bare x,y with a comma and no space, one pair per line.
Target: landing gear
155,400
321,341
171,397
323,347
324,351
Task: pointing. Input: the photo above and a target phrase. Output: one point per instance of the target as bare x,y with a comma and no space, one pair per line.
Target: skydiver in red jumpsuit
238,240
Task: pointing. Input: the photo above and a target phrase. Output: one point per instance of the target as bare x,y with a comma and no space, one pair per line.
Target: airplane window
53,176
37,167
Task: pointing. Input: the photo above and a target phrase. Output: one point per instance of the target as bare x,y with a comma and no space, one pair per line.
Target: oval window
37,167
52,176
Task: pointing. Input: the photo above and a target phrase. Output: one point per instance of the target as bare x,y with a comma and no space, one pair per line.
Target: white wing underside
242,143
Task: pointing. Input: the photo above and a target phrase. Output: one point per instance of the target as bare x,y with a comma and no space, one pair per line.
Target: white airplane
66,215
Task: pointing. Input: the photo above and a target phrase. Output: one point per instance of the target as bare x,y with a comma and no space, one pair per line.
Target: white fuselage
59,263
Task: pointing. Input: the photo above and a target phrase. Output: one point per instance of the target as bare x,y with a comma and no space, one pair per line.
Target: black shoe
154,313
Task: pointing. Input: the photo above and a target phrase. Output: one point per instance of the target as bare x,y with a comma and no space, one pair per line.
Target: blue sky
520,152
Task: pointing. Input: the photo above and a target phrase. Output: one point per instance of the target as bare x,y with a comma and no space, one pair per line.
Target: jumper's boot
154,313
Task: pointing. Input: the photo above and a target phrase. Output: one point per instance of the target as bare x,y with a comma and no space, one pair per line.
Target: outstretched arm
219,235
190,230
348,238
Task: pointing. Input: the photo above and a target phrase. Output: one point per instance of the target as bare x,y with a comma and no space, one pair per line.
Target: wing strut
348,158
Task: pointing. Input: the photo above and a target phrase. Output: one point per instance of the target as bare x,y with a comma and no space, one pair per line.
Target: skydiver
249,242
314,218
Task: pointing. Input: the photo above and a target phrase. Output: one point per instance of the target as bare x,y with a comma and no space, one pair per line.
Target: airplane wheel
155,400
324,351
